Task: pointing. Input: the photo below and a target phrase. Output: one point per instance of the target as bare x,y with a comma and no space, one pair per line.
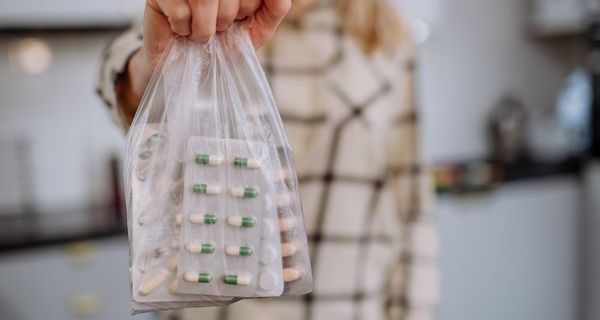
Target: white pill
290,274
267,229
143,219
286,224
153,282
268,254
288,249
174,262
267,280
173,287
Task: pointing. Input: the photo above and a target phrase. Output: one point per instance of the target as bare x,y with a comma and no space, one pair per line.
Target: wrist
130,88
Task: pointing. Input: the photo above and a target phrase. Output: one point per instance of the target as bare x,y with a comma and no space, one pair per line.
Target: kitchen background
519,235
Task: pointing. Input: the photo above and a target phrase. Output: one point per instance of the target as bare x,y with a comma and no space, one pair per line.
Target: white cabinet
512,254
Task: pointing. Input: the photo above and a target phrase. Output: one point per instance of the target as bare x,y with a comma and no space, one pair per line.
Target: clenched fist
199,20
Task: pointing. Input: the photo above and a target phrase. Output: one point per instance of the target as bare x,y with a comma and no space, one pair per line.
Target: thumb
266,19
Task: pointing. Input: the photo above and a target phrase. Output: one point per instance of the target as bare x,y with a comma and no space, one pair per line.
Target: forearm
132,84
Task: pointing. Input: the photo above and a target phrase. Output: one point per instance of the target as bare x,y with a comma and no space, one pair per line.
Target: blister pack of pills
214,212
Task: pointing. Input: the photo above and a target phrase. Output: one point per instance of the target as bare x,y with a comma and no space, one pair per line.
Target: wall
70,157
511,254
480,51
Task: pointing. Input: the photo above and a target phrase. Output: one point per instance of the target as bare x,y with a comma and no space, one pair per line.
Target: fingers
228,10
179,15
247,8
204,19
266,19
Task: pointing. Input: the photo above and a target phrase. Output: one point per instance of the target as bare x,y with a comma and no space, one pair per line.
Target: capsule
238,251
153,282
201,277
239,221
209,159
199,218
196,247
290,274
246,163
240,280
210,189
244,192
286,224
174,262
178,219
173,288
288,249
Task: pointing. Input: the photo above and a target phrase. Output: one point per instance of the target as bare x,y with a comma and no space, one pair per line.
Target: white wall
480,51
511,254
71,133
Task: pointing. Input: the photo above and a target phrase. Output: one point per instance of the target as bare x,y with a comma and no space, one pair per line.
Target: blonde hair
373,24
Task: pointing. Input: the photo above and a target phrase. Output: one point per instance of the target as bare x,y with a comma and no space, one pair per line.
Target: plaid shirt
353,125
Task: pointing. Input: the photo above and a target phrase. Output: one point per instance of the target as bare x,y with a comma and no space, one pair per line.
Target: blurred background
510,97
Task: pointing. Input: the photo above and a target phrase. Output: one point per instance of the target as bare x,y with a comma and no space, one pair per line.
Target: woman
342,73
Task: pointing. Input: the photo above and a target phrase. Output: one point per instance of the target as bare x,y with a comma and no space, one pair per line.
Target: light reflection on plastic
421,30
32,55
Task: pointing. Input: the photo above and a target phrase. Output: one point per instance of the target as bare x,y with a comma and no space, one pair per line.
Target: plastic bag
214,213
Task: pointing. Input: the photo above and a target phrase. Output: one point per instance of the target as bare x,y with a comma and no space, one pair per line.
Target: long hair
373,24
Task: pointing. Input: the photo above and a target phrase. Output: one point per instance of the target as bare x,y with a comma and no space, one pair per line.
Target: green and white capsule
201,277
197,247
240,280
209,159
199,218
243,162
206,188
244,192
239,221
243,251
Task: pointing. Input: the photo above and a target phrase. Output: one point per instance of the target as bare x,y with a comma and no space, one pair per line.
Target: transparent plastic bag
214,213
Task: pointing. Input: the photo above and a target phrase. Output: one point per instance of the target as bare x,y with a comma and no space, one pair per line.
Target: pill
209,159
199,218
288,249
246,163
153,282
232,250
290,274
267,229
143,219
267,280
283,200
196,247
202,277
173,287
267,254
174,262
286,224
210,189
240,280
244,192
239,221
178,219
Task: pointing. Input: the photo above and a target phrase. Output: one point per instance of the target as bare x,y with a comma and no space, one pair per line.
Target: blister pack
214,212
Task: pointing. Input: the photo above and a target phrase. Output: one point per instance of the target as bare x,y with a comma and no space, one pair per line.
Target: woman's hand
199,20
